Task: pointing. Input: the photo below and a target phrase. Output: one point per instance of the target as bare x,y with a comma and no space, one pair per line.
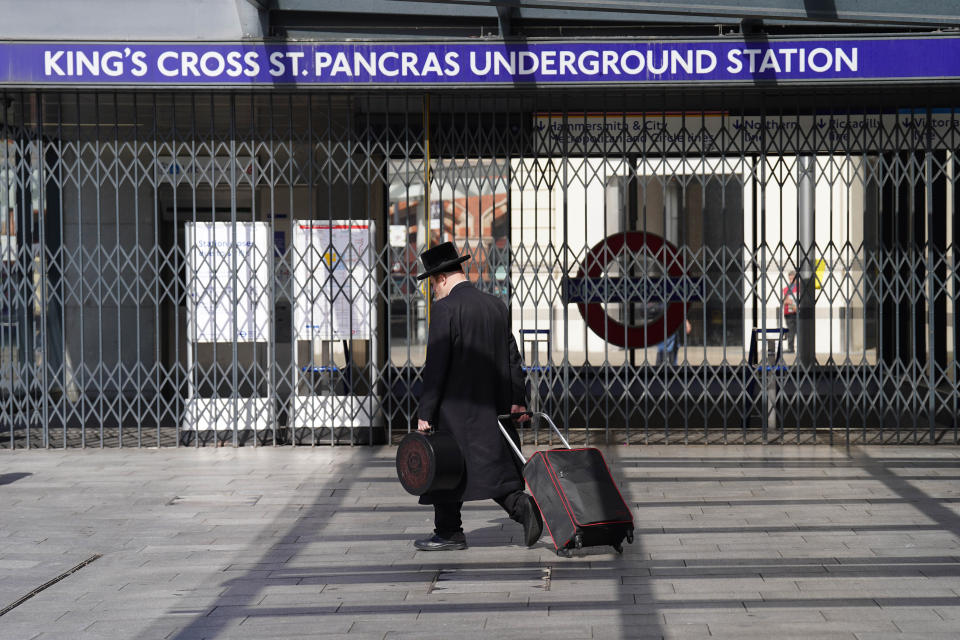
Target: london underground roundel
593,269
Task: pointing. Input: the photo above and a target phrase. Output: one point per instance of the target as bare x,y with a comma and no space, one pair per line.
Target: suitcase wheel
630,536
618,547
578,541
564,553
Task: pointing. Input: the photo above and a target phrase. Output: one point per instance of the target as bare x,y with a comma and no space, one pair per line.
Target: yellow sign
821,271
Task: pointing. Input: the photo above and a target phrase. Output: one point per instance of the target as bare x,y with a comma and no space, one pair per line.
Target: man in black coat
472,374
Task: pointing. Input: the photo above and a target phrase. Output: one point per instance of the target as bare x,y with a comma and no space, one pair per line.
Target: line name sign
479,63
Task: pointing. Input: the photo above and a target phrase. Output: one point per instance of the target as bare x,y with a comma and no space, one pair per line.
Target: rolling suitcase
578,498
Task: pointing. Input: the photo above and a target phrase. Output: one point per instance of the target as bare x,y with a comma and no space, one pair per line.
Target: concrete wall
109,307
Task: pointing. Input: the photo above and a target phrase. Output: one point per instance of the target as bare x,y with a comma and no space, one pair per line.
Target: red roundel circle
603,325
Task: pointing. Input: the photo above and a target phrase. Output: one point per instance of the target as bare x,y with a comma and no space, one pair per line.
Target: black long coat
472,374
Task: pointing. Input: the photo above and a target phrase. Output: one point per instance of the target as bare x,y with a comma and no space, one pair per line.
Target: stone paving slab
732,542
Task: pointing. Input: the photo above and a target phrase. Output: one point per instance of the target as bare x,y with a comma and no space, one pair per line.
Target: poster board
8,248
219,262
333,279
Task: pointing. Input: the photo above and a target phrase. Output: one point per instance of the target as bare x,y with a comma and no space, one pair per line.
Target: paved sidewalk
733,542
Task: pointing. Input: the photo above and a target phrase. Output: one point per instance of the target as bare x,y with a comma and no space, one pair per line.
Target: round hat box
429,462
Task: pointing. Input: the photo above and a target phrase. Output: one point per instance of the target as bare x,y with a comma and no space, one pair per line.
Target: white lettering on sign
591,62
171,63
475,63
790,59
84,63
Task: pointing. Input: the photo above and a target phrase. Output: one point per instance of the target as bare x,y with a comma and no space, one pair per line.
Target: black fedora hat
439,259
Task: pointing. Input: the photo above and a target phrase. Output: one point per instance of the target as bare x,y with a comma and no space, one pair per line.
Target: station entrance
188,268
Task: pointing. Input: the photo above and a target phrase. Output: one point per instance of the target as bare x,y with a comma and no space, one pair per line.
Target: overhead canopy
927,13
511,18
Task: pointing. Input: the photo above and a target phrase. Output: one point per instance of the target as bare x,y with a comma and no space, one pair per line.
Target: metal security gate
239,268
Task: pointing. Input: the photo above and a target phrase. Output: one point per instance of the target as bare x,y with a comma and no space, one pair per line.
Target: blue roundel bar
661,290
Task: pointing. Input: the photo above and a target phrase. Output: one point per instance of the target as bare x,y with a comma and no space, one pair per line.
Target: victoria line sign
480,63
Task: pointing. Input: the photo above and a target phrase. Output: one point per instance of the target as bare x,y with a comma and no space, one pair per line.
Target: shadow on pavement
10,478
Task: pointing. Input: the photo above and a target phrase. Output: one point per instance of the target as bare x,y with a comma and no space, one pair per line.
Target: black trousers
447,520
790,319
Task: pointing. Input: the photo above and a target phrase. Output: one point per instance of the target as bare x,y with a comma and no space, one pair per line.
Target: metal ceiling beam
408,8
505,21
254,17
930,13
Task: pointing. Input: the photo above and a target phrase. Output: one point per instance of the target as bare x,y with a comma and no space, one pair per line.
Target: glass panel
406,238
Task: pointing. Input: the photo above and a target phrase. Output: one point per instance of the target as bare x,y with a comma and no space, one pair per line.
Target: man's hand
423,426
519,408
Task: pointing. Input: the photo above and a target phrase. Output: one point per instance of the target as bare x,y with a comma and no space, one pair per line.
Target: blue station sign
480,63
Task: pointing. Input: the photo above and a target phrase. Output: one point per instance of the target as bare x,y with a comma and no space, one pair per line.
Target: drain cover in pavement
469,580
215,499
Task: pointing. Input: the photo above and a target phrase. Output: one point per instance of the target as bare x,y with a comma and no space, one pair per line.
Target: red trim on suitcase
565,501
533,495
545,523
563,497
554,479
560,494
556,483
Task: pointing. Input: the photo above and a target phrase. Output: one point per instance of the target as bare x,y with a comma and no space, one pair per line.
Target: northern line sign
479,63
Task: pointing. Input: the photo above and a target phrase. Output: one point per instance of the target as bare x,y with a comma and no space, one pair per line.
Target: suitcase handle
531,414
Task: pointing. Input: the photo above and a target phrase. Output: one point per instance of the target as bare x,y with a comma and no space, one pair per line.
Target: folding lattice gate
179,268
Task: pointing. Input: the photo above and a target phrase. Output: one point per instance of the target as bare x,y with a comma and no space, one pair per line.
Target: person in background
790,293
668,349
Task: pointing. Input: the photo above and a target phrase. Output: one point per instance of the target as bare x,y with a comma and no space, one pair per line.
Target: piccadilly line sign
478,63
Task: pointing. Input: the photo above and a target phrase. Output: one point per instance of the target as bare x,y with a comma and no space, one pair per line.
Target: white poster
333,279
399,234
8,248
228,276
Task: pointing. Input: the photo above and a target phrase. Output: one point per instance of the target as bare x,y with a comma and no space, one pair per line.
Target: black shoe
455,542
531,521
